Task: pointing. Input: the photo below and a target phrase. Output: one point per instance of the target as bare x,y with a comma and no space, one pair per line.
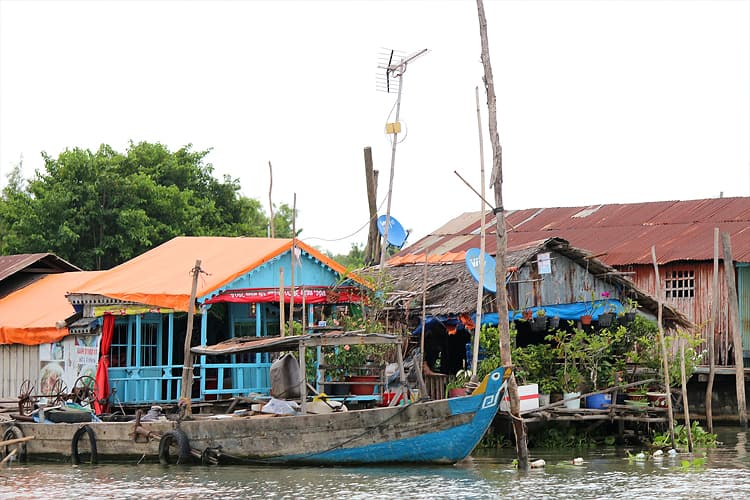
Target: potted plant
589,311
547,385
456,385
629,309
596,358
567,346
570,381
606,317
539,323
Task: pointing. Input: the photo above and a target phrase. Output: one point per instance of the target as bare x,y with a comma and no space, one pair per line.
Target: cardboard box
529,396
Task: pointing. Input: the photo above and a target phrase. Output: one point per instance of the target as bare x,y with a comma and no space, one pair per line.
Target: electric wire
374,217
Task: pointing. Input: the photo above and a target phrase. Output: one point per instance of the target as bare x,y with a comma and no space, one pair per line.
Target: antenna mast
393,77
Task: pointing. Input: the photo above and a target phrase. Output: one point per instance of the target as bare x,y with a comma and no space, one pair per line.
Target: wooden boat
442,431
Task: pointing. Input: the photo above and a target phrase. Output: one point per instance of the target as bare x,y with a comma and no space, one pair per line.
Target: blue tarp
563,311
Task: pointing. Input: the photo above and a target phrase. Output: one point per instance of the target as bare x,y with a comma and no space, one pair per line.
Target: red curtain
101,384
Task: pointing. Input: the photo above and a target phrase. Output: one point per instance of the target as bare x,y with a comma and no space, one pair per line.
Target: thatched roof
450,288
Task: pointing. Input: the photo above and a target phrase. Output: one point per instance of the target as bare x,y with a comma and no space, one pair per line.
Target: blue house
245,287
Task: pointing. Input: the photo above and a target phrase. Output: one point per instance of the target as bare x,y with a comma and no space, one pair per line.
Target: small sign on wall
544,263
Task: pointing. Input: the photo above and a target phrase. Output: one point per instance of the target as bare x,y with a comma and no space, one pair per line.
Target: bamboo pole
270,201
187,361
482,238
685,407
734,327
11,442
712,336
282,316
9,456
291,276
424,313
519,427
664,359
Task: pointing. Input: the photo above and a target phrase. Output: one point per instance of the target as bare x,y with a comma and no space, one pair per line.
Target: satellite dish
472,264
396,233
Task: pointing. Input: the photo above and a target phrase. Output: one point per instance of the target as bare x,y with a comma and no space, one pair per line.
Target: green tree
99,209
355,259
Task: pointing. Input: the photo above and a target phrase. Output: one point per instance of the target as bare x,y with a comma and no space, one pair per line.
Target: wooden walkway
615,413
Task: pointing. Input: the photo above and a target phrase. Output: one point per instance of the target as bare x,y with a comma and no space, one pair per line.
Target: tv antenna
390,79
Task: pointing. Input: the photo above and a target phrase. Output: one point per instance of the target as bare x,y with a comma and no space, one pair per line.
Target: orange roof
29,315
161,277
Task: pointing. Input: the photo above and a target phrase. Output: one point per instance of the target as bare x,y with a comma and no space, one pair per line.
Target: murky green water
606,473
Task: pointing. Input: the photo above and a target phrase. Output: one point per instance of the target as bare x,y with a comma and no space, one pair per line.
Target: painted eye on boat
495,376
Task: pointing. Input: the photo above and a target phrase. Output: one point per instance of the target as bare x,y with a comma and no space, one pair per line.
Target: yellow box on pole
393,128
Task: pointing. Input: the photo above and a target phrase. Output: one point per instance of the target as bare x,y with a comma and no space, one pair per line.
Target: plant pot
539,324
628,317
456,392
544,399
554,322
605,319
586,319
573,402
598,401
658,399
363,389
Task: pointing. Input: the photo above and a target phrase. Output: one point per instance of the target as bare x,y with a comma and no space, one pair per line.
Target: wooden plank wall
17,363
697,308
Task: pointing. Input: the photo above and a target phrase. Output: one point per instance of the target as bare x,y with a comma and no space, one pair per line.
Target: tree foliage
99,209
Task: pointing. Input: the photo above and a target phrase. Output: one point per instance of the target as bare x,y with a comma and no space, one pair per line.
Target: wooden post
303,377
291,276
712,336
187,361
519,427
424,313
282,318
686,410
270,201
373,238
482,238
734,327
664,359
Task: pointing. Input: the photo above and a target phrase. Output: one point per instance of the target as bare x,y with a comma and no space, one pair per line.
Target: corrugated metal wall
743,291
568,283
17,363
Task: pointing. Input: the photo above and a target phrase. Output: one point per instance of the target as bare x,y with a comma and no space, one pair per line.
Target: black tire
180,440
13,432
85,429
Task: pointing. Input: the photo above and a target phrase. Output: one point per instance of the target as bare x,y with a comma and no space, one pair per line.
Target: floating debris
538,464
578,461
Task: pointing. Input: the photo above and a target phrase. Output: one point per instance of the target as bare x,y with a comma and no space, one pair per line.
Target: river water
605,473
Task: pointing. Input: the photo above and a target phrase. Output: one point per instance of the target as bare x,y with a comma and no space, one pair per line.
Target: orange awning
30,315
161,277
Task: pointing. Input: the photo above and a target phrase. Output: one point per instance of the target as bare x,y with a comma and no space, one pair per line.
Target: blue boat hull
443,431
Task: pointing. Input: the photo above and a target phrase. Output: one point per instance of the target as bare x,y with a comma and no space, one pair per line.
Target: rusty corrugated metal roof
620,234
42,263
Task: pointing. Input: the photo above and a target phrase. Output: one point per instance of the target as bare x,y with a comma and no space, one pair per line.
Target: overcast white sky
598,101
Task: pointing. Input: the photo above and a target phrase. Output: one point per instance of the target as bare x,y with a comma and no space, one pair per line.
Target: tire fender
180,440
13,432
84,429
